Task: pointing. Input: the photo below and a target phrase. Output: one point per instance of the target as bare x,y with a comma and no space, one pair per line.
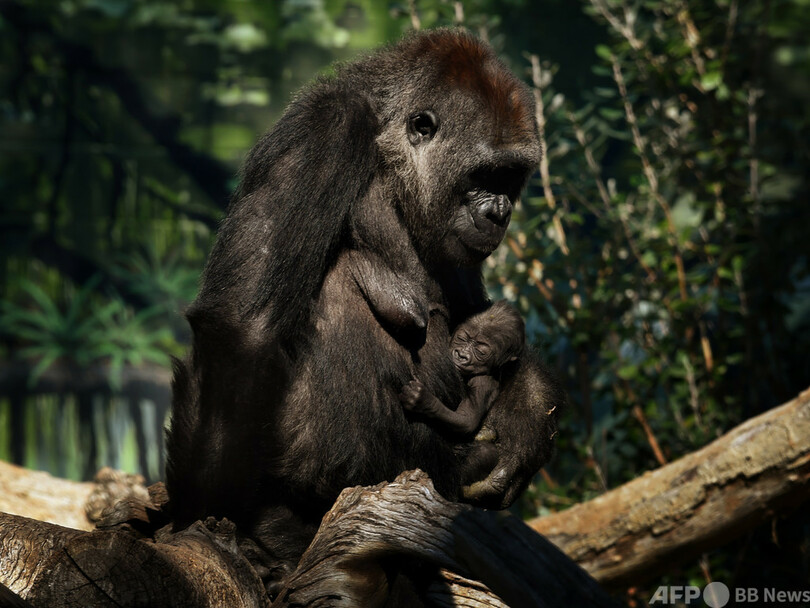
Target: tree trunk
51,566
701,501
345,564
369,534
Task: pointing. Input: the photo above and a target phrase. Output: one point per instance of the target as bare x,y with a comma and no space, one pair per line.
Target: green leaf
725,273
627,372
711,80
40,297
604,52
42,365
611,113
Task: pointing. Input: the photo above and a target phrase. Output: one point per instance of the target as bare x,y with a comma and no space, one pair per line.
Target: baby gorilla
481,348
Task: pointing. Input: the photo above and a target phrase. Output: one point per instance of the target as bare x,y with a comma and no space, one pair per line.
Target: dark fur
500,328
313,311
482,348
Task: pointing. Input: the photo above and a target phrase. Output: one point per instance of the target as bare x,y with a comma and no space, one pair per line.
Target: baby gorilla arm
466,418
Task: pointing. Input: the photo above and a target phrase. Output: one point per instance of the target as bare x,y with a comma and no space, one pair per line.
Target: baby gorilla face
471,352
488,340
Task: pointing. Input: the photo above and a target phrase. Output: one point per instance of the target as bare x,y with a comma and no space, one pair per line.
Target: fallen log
73,504
48,565
477,558
465,556
408,519
41,496
673,514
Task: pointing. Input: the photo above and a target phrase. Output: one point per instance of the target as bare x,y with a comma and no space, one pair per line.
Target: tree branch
673,514
408,518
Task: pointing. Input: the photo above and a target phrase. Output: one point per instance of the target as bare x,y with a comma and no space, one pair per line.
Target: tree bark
465,555
345,564
369,534
48,565
673,514
38,495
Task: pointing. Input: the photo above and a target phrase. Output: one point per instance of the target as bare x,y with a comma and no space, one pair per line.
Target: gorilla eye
422,127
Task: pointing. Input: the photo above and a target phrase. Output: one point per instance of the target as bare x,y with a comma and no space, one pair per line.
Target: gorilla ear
422,126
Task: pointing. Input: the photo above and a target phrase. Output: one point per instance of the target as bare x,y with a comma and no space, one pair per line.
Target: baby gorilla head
489,340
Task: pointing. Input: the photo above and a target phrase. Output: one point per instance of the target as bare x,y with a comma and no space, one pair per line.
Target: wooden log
48,565
674,513
26,548
368,527
370,534
41,496
80,505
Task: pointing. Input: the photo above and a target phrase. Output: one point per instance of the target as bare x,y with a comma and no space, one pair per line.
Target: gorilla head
459,137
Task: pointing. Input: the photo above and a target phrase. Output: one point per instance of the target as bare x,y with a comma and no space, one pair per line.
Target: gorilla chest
355,362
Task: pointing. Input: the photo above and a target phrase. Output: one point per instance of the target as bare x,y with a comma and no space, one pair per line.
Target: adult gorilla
350,253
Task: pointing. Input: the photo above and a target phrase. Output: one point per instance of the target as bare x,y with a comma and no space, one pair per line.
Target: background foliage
661,254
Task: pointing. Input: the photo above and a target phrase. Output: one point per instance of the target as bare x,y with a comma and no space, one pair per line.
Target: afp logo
715,595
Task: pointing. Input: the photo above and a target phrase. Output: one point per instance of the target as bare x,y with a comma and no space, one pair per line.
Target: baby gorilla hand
416,398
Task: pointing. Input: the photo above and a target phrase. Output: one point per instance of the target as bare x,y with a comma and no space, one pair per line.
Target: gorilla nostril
499,210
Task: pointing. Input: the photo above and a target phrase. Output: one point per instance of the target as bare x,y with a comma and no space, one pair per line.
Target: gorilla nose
460,355
499,209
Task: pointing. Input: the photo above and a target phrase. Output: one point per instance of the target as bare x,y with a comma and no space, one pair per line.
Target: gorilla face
463,149
471,353
470,197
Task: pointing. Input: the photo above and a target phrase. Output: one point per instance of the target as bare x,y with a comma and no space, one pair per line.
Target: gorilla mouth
489,235
480,220
481,234
489,228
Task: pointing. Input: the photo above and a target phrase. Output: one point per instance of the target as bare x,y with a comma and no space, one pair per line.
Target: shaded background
663,266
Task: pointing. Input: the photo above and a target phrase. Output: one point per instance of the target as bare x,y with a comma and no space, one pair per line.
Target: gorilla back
349,254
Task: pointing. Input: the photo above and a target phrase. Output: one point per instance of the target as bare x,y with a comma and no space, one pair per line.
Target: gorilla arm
523,421
466,418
